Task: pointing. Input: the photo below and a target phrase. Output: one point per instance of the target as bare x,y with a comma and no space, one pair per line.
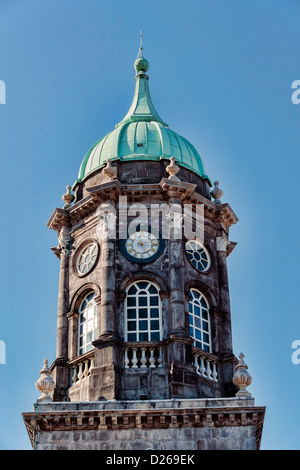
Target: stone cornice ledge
151,414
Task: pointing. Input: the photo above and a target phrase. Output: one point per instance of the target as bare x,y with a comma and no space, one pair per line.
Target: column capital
222,243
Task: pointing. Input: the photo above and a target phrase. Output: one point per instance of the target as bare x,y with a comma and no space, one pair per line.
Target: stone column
183,380
62,310
224,298
61,366
226,353
104,378
107,237
177,295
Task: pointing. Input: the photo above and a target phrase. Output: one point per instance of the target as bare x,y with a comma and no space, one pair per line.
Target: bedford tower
144,355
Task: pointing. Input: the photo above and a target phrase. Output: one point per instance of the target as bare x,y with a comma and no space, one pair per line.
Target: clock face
142,246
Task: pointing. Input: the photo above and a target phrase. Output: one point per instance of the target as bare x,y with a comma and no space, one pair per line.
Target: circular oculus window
87,258
197,256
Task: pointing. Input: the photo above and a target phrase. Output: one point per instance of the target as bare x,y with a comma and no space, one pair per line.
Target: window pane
143,325
205,314
197,310
131,325
142,285
154,325
131,301
90,296
205,338
198,334
197,322
142,301
152,289
154,300
154,312
143,313
131,313
131,336
143,336
155,336
132,290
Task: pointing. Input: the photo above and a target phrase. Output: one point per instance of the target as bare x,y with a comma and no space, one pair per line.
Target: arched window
199,320
87,326
143,312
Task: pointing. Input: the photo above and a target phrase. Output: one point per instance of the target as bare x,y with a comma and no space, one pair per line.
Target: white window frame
92,250
146,314
195,262
199,319
91,304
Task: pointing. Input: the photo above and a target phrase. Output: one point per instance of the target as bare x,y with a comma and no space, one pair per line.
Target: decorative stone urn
45,384
217,193
68,197
109,171
242,379
172,169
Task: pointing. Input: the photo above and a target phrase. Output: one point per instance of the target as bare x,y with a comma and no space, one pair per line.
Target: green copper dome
141,135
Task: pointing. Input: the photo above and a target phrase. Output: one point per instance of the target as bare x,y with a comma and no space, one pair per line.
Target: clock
197,255
142,246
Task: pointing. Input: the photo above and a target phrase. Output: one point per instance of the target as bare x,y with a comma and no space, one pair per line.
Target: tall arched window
199,320
87,323
143,312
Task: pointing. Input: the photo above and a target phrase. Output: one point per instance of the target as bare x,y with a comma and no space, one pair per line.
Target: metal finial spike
141,43
140,53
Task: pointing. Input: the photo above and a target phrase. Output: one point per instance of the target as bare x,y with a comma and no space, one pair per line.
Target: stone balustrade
206,365
139,356
82,369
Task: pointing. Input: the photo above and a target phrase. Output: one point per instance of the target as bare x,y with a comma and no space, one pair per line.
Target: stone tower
144,354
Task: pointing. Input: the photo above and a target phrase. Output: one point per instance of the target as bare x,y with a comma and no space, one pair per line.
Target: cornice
162,418
167,189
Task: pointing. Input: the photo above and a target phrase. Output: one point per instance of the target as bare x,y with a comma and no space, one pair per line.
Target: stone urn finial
68,197
217,193
173,169
45,384
242,379
109,171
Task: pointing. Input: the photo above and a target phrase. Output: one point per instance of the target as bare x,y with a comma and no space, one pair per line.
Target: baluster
215,372
134,358
85,369
202,368
143,358
126,358
80,371
196,363
159,360
208,369
152,358
92,364
74,376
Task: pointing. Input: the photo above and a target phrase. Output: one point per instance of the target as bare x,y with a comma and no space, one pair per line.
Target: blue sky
220,75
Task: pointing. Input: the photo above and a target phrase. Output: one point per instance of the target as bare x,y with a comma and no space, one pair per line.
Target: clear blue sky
220,75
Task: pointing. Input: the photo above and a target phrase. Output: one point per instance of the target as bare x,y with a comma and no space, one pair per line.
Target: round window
87,258
197,256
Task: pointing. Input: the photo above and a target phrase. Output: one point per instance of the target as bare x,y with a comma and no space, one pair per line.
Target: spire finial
141,64
140,54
